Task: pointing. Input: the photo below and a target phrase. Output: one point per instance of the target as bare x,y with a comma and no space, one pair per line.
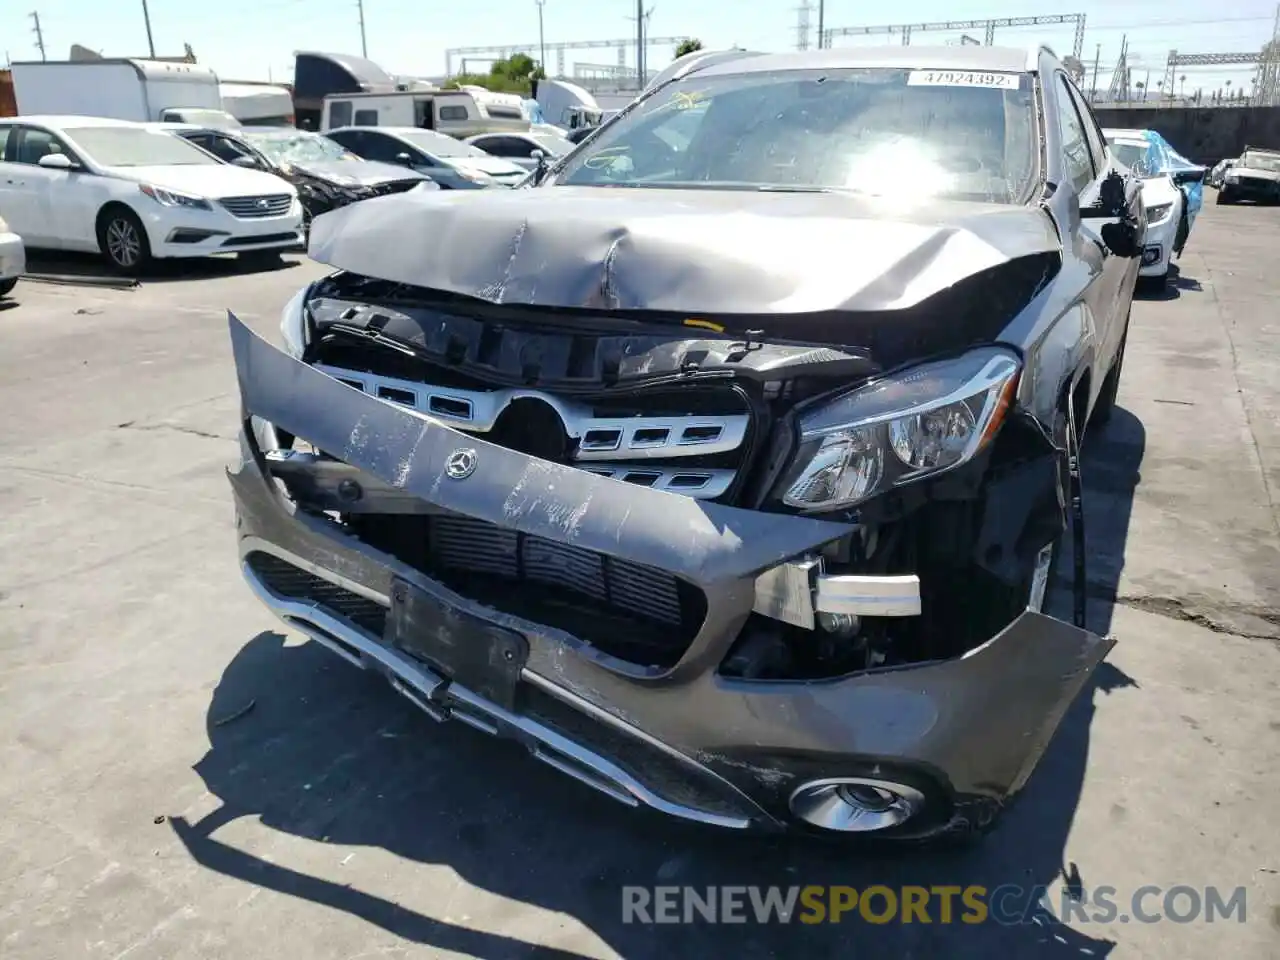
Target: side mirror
56,161
247,162
1122,239
405,159
539,165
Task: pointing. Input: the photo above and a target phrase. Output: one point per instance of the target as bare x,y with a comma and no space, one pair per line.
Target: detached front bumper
951,739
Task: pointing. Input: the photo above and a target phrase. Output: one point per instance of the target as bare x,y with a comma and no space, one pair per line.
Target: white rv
457,113
126,89
567,105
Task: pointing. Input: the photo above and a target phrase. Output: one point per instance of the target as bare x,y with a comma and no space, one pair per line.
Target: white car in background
1171,193
519,148
134,194
13,259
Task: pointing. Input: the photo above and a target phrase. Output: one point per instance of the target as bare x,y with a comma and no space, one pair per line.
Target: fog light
1151,255
856,804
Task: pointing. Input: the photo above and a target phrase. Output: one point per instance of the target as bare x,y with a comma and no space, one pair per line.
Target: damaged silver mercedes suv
724,465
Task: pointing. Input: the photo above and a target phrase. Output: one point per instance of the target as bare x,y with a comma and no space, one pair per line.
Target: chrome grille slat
601,439
258,207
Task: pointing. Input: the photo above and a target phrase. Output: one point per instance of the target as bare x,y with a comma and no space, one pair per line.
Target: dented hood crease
680,251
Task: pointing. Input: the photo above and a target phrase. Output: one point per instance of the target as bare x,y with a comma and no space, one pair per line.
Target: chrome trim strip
477,411
864,596
432,694
796,591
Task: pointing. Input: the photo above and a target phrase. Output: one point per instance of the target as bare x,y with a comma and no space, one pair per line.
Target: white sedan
1171,194
13,258
519,147
133,194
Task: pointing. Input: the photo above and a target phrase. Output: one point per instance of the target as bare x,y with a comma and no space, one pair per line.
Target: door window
1097,142
4,140
340,113
366,118
1075,142
375,146
34,143
453,113
505,147
226,149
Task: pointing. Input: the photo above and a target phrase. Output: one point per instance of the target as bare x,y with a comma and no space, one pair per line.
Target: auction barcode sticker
962,78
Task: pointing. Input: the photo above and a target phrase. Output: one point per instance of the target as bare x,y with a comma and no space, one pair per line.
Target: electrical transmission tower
802,25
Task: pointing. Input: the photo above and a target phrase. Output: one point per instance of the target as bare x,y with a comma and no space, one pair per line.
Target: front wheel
123,241
1222,198
6,286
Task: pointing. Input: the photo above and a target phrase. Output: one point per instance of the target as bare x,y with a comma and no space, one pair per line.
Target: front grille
289,581
256,208
694,454
626,609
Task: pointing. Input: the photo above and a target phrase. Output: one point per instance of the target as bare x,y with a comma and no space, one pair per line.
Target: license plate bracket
485,658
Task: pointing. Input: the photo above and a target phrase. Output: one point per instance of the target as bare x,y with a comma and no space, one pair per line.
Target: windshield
134,147
1134,154
439,145
1261,161
299,147
552,146
919,133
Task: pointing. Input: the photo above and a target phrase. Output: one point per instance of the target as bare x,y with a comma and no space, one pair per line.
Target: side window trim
1067,110
1092,131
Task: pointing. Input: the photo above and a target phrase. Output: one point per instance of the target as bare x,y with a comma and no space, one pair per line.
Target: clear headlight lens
912,424
171,198
1157,213
293,324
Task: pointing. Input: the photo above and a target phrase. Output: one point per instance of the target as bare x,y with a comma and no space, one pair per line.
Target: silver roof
994,59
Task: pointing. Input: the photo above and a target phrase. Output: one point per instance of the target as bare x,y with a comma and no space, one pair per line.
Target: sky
255,39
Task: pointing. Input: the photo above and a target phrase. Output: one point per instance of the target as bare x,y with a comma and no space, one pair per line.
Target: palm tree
1182,88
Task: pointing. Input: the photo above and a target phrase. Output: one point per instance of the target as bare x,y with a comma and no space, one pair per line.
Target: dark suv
726,466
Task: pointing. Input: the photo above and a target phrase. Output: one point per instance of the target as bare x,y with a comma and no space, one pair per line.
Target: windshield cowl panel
881,132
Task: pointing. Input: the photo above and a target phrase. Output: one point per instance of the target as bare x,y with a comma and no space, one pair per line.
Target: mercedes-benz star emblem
461,464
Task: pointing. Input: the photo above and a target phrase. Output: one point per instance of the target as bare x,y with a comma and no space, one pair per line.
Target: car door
56,200
18,205
1087,163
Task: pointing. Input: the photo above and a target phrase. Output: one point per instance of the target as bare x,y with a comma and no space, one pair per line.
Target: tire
122,240
1106,405
6,286
1222,198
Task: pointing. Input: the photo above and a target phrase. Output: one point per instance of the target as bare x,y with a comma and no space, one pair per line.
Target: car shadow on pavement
1171,290
90,268
329,754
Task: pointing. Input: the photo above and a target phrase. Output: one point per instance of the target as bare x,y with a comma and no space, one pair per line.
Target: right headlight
294,329
903,427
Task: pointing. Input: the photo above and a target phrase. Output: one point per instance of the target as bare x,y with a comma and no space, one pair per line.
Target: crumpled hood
366,173
684,251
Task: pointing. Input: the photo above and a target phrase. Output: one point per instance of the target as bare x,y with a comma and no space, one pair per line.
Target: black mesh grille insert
629,610
289,581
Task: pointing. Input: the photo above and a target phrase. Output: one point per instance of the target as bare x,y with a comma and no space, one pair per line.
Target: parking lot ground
181,778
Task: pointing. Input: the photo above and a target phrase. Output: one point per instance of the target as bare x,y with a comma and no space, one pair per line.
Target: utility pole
364,46
542,38
39,36
1097,59
640,43
822,23
146,17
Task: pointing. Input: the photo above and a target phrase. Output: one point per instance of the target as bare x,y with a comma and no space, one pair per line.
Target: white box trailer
124,89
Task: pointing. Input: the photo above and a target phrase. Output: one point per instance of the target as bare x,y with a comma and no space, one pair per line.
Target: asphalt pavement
183,778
